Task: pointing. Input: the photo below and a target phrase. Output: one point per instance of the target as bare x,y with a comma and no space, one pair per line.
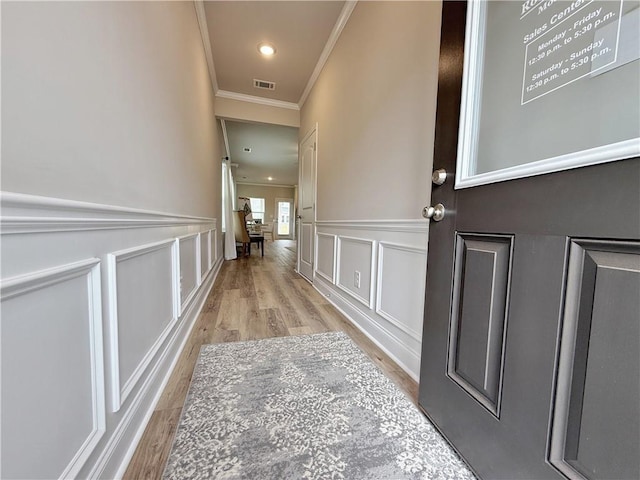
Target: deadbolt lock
439,176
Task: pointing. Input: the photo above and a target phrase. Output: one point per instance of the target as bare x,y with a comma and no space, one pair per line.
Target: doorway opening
284,210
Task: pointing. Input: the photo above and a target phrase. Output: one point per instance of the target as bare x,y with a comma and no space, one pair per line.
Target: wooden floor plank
150,457
307,289
275,324
264,289
253,297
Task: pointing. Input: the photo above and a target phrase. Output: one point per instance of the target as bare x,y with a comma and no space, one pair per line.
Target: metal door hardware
434,213
439,176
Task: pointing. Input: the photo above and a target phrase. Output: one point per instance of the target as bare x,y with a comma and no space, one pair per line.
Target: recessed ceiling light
269,178
266,49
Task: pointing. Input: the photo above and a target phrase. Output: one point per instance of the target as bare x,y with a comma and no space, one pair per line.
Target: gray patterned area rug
305,407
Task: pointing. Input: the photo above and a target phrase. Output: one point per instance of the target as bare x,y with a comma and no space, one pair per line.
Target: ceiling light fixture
269,178
266,49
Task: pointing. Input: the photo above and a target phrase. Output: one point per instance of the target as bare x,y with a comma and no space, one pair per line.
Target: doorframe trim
313,131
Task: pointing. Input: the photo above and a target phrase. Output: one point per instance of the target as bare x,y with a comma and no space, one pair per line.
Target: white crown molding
206,42
242,97
328,48
23,213
324,56
410,226
275,185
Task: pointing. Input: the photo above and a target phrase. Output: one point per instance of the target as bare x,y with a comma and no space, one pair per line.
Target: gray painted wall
109,103
375,106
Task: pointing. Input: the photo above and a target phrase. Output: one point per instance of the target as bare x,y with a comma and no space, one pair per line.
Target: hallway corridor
252,298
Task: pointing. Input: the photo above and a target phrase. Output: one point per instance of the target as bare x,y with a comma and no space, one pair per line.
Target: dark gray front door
531,339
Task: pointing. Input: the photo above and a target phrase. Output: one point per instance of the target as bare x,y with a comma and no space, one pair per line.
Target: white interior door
307,207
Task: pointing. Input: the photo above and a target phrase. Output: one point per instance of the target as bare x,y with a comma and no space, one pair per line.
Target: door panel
481,286
514,445
307,210
306,247
598,386
530,339
601,201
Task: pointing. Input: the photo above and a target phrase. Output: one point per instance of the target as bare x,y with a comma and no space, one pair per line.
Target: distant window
257,208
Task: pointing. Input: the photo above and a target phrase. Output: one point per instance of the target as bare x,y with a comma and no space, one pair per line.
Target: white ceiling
274,153
303,33
299,31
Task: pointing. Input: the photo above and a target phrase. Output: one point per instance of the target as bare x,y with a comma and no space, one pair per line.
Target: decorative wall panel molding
22,213
213,247
118,451
326,257
404,226
406,353
388,306
189,267
145,298
401,285
52,327
596,421
356,258
52,370
205,245
482,274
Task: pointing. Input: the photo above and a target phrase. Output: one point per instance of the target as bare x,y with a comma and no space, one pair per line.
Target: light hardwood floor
252,298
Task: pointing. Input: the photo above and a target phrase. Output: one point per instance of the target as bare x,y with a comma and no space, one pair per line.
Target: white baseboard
396,349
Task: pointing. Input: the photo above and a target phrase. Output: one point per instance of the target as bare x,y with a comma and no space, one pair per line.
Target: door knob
299,217
439,176
434,213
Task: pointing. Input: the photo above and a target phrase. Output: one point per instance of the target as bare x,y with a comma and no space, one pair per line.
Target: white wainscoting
401,284
205,252
213,246
189,267
325,261
356,256
52,370
390,256
66,266
143,308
